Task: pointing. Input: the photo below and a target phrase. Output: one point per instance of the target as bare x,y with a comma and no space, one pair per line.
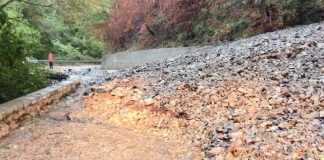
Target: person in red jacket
50,60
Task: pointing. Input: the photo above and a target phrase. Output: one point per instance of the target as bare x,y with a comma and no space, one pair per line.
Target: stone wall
137,58
16,111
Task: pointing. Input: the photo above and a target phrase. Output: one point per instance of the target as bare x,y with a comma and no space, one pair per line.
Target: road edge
14,112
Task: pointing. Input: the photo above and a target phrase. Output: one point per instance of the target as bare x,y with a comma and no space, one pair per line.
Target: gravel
260,97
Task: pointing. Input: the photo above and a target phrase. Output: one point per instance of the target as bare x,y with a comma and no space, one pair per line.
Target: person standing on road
50,60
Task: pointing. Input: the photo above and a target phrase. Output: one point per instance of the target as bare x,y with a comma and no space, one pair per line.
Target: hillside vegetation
169,23
33,28
75,29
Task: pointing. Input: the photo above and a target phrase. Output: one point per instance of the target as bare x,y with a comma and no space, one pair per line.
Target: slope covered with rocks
261,97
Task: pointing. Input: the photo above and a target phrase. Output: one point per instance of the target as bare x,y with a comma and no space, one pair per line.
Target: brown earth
69,132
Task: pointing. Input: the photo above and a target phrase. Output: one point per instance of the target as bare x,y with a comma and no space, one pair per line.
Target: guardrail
71,62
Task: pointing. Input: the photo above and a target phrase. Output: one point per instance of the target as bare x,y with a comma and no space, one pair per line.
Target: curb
14,112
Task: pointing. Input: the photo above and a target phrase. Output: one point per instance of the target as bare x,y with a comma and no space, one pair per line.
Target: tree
36,27
146,21
63,26
170,23
17,76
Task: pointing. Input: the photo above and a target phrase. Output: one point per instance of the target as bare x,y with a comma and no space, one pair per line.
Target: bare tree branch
27,2
6,4
37,4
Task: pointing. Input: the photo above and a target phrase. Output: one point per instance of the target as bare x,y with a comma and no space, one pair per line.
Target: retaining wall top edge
32,98
14,104
157,49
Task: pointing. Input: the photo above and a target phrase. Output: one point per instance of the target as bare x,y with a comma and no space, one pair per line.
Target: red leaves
125,20
147,21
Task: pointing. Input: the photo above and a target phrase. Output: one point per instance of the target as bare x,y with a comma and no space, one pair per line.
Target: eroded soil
69,132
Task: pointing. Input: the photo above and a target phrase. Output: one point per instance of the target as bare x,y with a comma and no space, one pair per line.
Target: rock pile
261,97
123,103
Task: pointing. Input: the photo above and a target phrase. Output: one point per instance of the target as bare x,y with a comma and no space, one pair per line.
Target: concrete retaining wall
138,58
16,111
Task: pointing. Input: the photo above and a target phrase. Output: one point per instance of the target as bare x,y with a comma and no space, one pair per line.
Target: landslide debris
261,97
124,103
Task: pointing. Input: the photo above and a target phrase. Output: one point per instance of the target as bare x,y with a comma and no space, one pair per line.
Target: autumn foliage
139,24
148,21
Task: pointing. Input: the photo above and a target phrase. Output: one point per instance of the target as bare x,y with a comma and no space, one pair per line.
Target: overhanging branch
6,4
27,2
37,4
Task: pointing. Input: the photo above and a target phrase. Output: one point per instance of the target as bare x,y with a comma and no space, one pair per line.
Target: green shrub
182,39
17,76
238,28
21,79
298,12
63,37
157,24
